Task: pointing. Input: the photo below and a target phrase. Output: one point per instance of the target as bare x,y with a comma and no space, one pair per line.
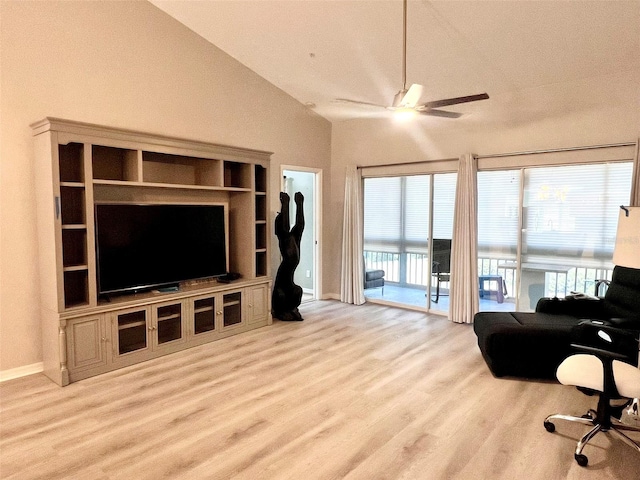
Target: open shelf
71,161
74,247
76,287
237,175
261,179
180,170
110,163
261,208
72,205
261,264
261,235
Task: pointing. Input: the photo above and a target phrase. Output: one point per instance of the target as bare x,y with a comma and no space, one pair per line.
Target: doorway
307,181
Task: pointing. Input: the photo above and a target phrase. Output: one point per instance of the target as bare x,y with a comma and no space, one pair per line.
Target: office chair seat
587,371
613,379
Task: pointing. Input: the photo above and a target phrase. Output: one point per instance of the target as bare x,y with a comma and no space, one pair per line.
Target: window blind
444,198
498,207
416,221
382,214
572,210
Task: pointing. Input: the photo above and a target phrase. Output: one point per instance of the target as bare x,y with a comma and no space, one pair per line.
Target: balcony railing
413,270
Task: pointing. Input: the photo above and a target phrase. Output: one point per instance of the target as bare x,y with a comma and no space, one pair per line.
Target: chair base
612,425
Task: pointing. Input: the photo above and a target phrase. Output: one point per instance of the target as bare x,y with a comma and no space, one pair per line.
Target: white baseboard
20,371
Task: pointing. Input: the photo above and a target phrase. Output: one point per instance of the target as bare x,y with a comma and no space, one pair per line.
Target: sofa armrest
576,307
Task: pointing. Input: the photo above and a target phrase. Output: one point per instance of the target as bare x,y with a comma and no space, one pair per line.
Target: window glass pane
416,225
569,218
444,196
571,211
382,214
498,212
498,206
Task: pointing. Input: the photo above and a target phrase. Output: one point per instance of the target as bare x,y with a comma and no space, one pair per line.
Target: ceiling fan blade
455,101
440,113
358,102
412,96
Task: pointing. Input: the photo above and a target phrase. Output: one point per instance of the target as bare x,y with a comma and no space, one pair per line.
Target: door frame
317,226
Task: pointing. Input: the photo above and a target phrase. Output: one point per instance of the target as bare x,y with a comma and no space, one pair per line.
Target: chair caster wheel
581,459
550,427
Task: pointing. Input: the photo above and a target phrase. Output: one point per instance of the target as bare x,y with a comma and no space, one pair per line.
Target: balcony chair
533,344
374,279
605,366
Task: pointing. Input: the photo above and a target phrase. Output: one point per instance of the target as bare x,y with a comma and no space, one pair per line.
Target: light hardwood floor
368,392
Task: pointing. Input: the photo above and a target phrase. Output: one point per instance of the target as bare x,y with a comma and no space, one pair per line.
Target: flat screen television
144,246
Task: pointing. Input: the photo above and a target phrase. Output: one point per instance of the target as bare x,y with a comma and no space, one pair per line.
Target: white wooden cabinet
79,165
258,303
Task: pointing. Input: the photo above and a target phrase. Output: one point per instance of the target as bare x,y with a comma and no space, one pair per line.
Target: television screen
140,246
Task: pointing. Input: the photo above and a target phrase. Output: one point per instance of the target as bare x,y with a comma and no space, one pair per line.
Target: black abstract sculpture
287,295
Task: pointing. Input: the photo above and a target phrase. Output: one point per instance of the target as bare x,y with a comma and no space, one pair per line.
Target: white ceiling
534,58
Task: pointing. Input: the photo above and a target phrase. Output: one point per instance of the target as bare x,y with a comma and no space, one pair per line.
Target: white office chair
607,373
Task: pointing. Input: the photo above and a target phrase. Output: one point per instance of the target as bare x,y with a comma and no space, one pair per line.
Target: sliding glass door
397,225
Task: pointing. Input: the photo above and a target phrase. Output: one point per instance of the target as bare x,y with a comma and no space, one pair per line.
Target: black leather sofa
533,344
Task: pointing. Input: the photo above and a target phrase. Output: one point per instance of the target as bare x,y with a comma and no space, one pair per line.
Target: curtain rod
557,150
512,154
417,162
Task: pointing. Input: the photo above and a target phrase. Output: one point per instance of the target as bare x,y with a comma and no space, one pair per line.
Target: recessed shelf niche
181,170
116,164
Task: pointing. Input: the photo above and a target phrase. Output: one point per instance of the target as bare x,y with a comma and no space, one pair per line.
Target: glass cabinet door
132,331
204,315
168,326
232,309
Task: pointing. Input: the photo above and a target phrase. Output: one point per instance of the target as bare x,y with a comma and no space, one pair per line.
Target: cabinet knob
219,312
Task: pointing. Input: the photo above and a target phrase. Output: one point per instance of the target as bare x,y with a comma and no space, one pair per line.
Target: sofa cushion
529,345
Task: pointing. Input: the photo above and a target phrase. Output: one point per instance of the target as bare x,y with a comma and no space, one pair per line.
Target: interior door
306,181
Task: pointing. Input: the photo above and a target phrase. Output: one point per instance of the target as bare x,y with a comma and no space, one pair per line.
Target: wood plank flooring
369,392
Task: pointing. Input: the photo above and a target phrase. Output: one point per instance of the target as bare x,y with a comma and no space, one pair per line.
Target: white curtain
352,277
464,245
635,180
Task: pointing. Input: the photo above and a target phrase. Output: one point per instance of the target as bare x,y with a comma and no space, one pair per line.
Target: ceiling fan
406,100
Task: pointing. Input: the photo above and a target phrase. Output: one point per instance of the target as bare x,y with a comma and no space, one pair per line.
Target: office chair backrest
622,299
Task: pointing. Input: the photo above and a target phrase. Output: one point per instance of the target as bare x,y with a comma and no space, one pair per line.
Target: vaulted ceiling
534,58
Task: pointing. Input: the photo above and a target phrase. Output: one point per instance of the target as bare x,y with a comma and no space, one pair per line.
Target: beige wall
121,64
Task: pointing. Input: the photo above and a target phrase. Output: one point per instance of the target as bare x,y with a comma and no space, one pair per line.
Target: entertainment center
124,214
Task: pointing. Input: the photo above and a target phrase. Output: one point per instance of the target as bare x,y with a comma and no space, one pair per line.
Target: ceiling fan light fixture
403,114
